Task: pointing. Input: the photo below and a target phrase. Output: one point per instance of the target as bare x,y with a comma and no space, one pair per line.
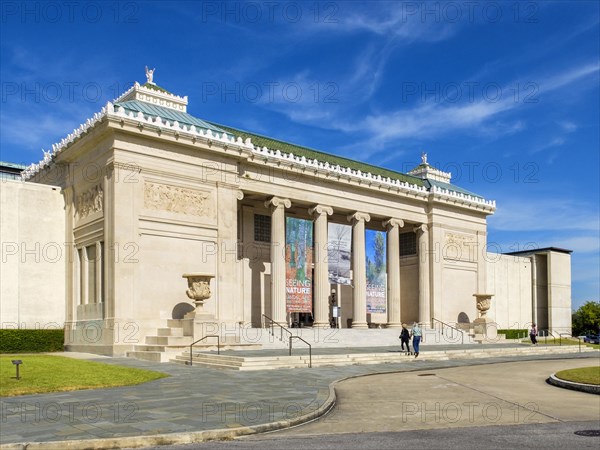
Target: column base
321,325
394,325
360,325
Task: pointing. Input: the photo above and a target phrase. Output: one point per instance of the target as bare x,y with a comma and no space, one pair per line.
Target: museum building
148,200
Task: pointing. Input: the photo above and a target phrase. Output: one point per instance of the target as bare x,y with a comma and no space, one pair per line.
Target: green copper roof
451,187
309,153
156,87
258,140
167,113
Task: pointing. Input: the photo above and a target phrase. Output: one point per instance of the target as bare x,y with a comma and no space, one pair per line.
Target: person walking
416,335
405,339
533,332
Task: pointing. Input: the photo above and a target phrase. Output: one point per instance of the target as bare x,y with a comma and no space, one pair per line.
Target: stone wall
34,253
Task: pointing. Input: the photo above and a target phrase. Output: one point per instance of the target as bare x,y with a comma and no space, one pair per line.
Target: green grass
587,375
557,341
48,373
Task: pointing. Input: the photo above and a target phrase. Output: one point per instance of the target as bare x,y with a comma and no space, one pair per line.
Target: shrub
18,341
514,333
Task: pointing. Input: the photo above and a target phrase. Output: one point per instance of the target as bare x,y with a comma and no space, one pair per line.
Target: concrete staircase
174,339
229,361
350,337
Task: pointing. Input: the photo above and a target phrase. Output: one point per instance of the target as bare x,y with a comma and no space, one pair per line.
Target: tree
587,319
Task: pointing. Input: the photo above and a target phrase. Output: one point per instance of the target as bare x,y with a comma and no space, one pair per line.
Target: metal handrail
462,333
309,349
560,335
201,339
282,328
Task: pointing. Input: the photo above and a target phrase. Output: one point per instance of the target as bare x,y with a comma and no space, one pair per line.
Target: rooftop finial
424,157
150,75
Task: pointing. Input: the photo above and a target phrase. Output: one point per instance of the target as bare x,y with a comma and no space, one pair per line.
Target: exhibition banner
376,271
339,237
298,257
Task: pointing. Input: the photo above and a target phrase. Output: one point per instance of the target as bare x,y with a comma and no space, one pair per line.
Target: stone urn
198,288
484,302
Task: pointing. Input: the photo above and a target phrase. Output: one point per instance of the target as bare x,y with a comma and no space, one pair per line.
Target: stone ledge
588,388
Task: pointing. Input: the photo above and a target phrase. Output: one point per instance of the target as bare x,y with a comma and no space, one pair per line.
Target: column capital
276,202
392,223
359,217
318,210
239,194
423,228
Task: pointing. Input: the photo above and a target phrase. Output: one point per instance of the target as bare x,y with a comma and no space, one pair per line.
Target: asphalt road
547,436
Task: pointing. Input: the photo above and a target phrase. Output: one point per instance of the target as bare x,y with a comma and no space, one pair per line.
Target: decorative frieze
89,202
176,199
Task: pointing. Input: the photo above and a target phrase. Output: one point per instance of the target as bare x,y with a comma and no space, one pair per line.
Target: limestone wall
32,275
509,280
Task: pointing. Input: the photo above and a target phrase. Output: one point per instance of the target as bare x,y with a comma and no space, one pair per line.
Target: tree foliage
587,319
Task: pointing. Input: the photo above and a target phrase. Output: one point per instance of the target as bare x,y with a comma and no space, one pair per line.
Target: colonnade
358,221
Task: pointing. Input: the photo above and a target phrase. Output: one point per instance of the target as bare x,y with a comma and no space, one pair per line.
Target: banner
298,258
339,252
376,271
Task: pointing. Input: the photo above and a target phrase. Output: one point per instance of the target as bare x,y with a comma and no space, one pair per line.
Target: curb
587,388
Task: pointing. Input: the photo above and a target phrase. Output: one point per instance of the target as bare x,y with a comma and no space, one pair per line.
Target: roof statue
424,157
150,75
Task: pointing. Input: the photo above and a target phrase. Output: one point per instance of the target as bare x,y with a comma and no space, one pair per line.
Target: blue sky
505,95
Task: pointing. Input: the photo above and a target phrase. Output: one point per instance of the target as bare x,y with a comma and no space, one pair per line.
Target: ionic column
277,206
321,275
393,271
359,268
423,245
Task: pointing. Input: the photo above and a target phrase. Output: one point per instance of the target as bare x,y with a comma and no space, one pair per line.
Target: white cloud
534,214
568,126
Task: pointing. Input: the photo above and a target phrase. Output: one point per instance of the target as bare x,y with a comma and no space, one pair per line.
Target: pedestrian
405,339
533,332
416,335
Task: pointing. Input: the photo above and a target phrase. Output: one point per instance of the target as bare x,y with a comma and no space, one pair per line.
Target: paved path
191,400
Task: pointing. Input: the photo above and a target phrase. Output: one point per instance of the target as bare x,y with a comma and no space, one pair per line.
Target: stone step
169,331
174,323
160,348
299,361
154,356
169,340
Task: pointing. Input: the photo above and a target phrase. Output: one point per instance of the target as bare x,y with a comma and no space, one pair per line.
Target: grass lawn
556,341
48,373
587,375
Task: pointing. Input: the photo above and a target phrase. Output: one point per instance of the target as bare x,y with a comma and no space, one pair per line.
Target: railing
560,335
201,339
291,336
272,326
444,324
309,349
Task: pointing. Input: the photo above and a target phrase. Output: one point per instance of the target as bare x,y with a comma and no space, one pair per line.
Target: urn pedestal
199,292
484,327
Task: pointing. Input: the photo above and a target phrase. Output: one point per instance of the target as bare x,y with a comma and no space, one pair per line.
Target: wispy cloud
527,213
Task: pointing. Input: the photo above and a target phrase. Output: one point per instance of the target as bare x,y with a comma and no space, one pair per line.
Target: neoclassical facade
151,193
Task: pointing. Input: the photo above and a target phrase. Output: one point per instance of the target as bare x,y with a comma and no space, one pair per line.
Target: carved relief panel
89,202
460,247
179,200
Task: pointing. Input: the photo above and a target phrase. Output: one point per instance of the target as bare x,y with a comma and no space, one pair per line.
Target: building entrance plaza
145,203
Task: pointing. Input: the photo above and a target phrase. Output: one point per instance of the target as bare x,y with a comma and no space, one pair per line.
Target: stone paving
194,399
